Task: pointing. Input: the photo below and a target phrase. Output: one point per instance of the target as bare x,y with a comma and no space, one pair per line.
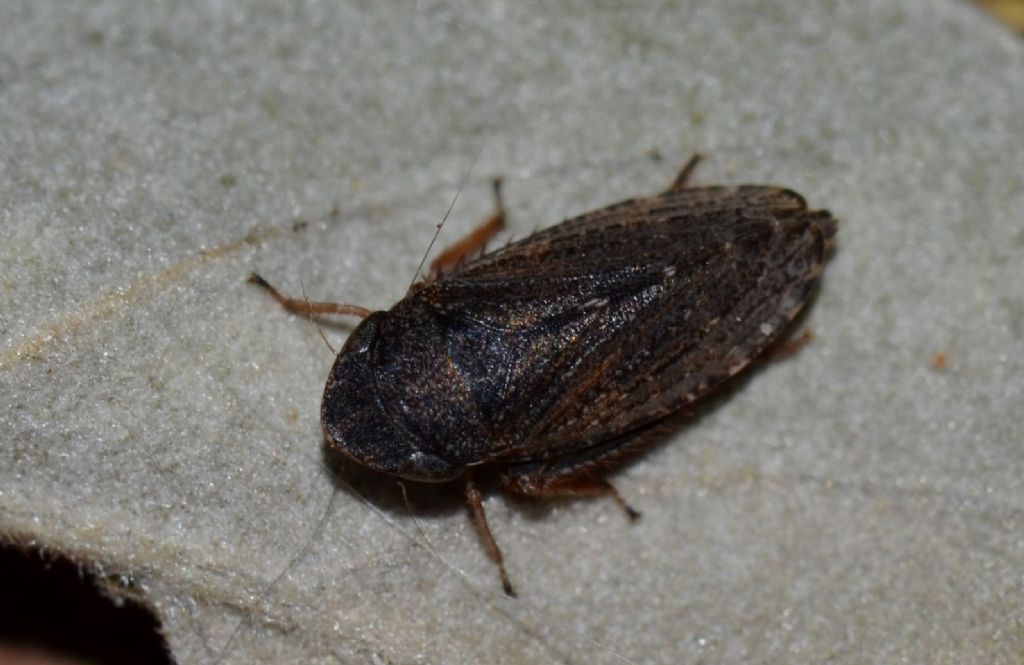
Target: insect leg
578,484
473,243
476,506
684,175
303,306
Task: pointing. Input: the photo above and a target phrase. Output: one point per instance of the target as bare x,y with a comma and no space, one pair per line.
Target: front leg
303,306
476,507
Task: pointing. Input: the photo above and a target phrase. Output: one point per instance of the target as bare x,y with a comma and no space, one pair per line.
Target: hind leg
684,175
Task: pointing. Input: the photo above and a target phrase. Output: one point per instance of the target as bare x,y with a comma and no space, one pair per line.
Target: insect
552,356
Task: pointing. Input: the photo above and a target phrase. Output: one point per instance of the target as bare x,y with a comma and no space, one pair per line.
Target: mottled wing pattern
617,318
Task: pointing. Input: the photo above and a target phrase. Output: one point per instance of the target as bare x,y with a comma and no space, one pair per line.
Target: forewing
615,319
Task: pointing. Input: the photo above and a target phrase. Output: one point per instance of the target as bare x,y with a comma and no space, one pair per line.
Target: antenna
312,319
462,184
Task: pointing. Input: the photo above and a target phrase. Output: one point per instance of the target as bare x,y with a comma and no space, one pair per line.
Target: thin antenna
462,184
301,554
415,522
312,319
423,541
